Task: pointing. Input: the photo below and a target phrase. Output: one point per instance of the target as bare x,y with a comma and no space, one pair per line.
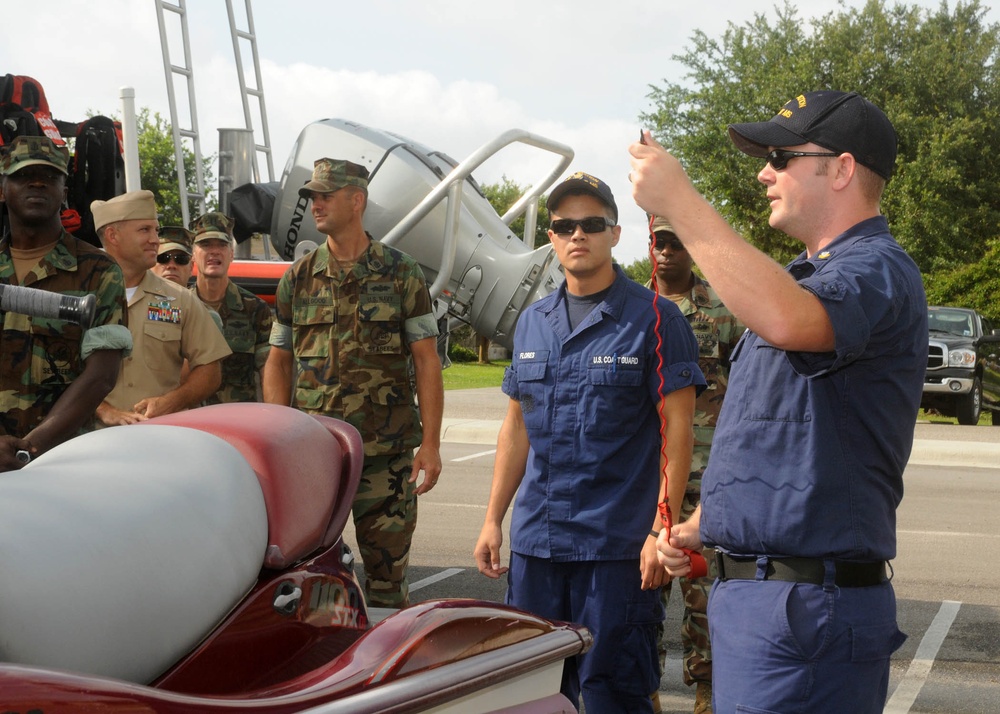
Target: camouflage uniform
350,334
717,332
246,325
40,357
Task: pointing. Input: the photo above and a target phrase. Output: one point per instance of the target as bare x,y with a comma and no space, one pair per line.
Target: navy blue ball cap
582,183
844,122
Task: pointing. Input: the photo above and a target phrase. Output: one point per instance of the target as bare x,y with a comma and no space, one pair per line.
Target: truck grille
937,355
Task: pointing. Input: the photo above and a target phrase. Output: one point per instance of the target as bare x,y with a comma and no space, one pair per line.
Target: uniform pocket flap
875,642
615,378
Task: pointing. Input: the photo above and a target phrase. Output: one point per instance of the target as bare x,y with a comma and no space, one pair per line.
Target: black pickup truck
963,366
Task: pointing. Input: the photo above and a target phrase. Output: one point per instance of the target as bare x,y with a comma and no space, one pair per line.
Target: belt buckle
720,566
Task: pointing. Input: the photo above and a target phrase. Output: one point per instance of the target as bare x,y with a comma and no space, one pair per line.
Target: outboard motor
425,204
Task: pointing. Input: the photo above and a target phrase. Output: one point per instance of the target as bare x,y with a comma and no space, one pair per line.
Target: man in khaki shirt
168,324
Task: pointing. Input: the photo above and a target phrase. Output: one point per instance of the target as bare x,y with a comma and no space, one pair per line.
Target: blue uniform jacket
810,448
589,400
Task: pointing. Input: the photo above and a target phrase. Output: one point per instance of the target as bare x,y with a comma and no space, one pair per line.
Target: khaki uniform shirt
246,325
168,325
350,340
40,357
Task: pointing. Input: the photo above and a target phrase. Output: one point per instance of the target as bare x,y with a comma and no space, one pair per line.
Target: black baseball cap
583,183
844,122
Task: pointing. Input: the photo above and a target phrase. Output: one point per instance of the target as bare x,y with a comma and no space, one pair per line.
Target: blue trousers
796,647
621,669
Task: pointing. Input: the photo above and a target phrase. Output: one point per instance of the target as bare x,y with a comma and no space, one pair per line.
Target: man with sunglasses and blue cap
581,446
800,495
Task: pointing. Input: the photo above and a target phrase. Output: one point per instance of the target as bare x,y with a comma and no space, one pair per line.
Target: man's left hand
653,574
428,460
9,446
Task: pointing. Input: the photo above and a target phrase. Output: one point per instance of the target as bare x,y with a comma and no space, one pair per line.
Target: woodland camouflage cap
175,238
33,151
212,226
332,174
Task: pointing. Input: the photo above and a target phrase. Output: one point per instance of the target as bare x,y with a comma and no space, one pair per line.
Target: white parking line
947,534
475,456
913,681
436,578
428,503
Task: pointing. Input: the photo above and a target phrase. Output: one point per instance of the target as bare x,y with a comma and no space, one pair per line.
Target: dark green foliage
640,270
972,285
158,170
934,72
457,353
503,195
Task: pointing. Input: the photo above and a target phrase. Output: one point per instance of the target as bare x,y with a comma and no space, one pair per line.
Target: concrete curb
470,431
926,452
938,452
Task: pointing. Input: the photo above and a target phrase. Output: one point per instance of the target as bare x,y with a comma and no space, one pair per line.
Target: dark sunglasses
590,224
779,158
179,258
664,239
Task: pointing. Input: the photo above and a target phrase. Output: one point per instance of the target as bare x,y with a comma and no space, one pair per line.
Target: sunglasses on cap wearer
179,258
779,158
663,239
590,224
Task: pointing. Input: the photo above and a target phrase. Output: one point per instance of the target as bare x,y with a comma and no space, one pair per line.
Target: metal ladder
257,91
191,130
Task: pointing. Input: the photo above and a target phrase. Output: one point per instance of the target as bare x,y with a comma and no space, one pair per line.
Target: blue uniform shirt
589,399
810,448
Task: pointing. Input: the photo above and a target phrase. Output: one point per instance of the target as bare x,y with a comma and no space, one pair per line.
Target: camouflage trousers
385,515
697,658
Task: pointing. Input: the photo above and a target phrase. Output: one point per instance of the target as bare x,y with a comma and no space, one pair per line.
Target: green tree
504,194
158,168
934,72
972,285
640,270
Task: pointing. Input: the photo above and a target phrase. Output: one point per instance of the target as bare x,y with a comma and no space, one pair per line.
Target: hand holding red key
699,566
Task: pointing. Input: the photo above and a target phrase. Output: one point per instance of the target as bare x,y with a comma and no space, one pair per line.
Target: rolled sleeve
281,335
420,328
106,337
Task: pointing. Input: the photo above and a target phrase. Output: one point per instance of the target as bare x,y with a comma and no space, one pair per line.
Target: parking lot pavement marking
475,456
913,681
948,534
436,578
480,506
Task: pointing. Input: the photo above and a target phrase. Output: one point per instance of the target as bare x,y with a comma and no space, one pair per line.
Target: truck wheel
967,406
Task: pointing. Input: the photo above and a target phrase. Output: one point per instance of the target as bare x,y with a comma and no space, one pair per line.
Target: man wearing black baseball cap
800,495
580,445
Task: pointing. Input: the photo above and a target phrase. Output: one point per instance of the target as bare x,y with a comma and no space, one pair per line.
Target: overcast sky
449,74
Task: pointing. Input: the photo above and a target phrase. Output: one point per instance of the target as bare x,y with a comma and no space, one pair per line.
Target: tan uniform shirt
168,325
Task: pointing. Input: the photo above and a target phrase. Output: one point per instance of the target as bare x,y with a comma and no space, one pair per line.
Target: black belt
849,574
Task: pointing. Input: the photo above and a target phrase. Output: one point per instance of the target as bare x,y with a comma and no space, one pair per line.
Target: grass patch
985,418
472,375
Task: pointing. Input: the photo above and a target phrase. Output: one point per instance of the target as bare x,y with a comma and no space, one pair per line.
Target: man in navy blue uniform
801,493
581,439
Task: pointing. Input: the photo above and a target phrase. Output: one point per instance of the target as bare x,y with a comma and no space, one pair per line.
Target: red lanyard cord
699,568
